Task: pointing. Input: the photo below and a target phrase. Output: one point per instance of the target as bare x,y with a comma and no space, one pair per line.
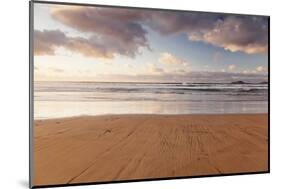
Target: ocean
66,99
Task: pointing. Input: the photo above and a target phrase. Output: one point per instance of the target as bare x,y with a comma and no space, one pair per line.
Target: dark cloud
117,28
46,42
176,22
123,31
247,34
237,33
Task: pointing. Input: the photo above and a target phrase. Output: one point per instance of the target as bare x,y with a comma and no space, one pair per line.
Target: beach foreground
124,147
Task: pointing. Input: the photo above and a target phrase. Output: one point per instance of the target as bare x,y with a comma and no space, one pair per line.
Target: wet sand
124,147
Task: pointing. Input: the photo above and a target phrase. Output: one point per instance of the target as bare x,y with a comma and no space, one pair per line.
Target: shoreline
141,114
123,147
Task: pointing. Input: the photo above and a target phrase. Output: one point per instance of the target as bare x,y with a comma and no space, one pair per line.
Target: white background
14,104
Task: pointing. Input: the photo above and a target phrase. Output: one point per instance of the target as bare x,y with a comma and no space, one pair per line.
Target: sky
82,43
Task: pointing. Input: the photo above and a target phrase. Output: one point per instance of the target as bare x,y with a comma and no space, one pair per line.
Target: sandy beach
124,147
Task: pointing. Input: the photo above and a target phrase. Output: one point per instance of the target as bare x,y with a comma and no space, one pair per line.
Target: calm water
64,99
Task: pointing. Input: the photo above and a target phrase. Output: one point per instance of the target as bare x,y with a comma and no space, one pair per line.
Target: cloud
128,65
179,71
57,70
47,41
261,69
169,59
180,22
237,33
153,69
248,34
231,67
116,31
117,28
